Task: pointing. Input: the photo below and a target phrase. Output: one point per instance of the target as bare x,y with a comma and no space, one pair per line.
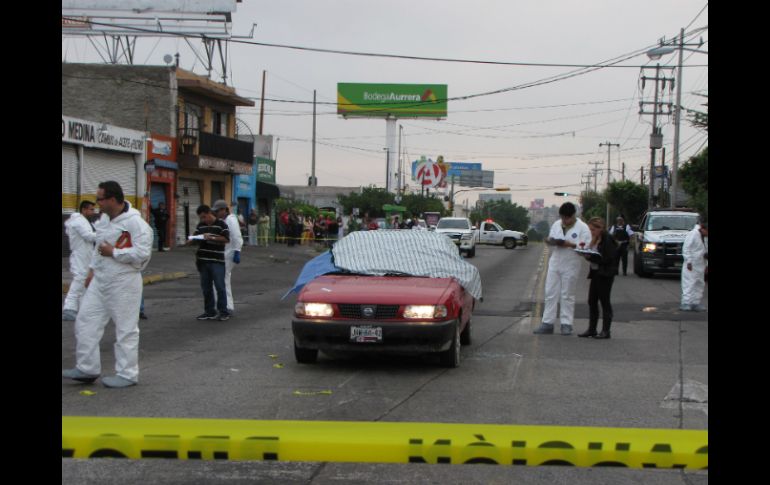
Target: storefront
266,189
161,169
94,152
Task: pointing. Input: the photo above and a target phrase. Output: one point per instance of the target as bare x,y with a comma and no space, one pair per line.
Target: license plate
365,334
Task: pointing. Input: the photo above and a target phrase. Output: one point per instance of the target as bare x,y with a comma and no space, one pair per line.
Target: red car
394,312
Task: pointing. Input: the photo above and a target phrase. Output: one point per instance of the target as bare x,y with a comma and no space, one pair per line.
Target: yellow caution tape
346,441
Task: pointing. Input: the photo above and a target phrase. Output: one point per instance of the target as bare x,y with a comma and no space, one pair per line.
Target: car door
488,232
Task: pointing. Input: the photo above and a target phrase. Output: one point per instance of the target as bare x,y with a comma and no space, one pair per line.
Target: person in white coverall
232,248
114,290
694,267
564,266
81,236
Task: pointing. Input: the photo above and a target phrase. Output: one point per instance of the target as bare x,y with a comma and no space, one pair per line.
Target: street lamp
655,54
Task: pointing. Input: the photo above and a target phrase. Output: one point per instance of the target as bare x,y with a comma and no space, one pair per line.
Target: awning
267,190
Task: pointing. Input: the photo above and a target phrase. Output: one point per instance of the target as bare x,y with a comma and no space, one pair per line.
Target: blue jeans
213,274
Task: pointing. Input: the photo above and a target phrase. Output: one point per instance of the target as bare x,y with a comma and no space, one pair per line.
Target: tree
543,228
594,205
628,199
694,175
370,200
508,215
417,204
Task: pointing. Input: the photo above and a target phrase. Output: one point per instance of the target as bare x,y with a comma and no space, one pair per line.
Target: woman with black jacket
604,267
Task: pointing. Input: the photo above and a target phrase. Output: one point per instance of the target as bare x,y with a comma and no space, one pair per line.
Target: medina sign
392,100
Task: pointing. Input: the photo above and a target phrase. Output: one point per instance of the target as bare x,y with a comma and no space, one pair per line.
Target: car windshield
683,222
452,224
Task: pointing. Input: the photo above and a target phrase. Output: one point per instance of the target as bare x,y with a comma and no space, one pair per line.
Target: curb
147,280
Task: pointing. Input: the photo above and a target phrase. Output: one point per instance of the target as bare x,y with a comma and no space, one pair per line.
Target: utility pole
656,138
606,194
262,104
313,181
595,170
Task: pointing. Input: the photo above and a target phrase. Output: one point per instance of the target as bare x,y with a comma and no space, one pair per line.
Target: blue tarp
320,265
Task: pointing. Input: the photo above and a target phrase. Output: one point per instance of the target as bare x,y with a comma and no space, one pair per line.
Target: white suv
461,232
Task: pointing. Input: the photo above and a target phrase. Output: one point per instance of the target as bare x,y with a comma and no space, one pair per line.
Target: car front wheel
509,243
451,357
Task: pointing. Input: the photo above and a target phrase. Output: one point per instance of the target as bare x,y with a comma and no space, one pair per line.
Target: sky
537,139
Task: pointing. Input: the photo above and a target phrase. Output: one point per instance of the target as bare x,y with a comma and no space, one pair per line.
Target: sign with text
392,100
92,134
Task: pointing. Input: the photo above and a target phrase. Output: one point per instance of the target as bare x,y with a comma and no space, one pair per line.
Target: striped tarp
416,253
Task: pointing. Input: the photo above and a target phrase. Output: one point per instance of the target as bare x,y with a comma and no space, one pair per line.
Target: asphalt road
245,369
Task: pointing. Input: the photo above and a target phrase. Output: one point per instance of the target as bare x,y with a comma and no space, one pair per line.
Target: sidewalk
180,262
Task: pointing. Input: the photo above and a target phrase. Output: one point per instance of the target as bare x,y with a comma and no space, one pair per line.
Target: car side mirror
474,228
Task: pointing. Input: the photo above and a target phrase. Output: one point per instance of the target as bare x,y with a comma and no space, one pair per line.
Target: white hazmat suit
81,236
563,269
115,293
235,244
693,282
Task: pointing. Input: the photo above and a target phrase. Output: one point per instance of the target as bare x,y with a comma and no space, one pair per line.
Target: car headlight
313,309
425,311
649,247
466,237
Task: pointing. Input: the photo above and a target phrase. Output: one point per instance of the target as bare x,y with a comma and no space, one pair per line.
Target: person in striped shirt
210,260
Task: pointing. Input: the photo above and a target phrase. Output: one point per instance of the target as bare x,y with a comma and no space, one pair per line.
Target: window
220,123
191,118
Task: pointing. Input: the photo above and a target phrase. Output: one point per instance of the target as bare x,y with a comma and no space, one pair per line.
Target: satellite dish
168,59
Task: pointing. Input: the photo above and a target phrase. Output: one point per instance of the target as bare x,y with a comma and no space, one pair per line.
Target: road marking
691,395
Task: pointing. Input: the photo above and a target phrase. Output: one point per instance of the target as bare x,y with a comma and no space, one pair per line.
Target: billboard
392,100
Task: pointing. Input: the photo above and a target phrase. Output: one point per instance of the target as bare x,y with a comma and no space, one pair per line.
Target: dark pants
213,274
599,292
161,239
623,256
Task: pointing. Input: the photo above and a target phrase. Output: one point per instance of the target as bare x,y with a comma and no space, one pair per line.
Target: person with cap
567,234
114,290
81,235
622,233
694,267
232,248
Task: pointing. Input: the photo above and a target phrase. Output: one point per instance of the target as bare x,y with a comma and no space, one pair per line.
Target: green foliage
300,206
626,198
508,215
694,176
543,228
594,205
371,200
534,235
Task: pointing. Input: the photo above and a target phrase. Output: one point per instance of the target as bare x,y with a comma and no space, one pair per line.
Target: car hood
375,289
665,236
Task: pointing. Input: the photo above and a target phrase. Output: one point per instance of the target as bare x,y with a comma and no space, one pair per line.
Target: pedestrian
114,290
292,231
81,235
264,229
253,226
283,226
622,233
307,230
210,261
694,267
161,216
332,231
564,264
604,267
232,248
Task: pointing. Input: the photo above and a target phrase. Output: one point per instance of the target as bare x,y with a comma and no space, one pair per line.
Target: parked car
461,232
658,241
493,234
387,291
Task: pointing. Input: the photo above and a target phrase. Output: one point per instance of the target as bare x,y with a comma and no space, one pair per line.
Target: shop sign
92,134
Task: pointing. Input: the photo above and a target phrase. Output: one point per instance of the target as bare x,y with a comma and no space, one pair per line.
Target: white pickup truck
461,232
491,233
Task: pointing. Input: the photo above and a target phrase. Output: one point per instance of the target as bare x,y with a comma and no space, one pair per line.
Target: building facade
198,114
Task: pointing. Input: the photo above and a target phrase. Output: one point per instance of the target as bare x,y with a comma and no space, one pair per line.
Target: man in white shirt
232,249
81,236
564,266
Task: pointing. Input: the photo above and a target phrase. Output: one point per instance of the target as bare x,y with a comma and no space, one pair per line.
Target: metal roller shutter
189,191
102,165
69,178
